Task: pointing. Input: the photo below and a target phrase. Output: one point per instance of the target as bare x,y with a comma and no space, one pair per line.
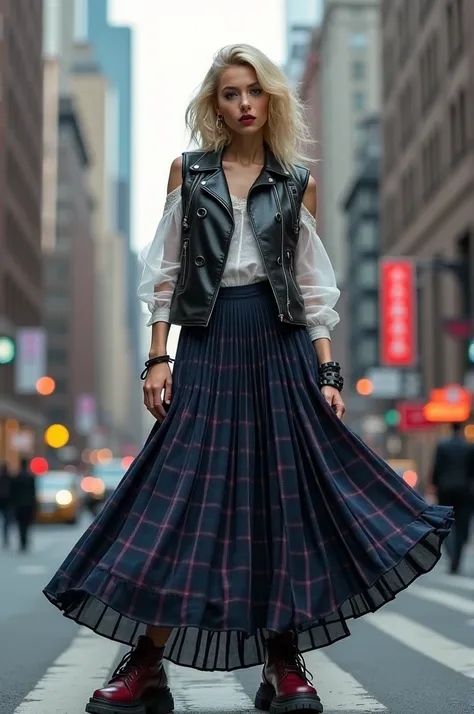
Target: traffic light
392,417
470,351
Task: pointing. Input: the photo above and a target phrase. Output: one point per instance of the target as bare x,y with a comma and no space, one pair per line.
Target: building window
358,69
429,71
408,195
431,163
367,352
458,126
358,40
368,312
368,274
366,237
407,114
455,29
359,101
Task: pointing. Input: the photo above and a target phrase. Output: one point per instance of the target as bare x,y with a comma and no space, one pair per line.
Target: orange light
127,461
93,485
469,432
93,456
104,456
364,387
45,386
445,412
38,465
410,477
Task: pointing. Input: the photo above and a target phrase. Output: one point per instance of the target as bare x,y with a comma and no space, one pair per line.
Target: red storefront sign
412,416
397,312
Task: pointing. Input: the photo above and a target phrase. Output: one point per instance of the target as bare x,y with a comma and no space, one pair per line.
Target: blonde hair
286,131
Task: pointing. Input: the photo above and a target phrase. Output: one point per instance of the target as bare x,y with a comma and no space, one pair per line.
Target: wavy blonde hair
286,131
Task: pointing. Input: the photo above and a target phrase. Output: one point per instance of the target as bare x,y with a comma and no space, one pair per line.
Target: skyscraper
301,17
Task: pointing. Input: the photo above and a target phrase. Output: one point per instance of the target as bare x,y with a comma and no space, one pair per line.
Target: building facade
70,292
428,172
427,193
363,243
21,167
301,17
350,55
113,47
92,92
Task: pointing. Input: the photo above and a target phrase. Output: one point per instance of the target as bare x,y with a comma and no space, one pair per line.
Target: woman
253,524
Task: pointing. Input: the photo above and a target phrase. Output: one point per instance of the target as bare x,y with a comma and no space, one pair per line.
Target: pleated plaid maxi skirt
251,509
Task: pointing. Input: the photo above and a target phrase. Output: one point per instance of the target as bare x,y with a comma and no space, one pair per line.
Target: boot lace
292,661
128,667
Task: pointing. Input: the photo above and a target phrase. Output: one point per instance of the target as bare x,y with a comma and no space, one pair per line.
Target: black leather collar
212,161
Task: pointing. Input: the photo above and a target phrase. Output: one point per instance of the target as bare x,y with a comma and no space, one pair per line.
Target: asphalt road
416,656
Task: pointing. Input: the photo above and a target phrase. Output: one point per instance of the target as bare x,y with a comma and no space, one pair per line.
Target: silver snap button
196,166
199,261
279,261
203,183
278,217
270,179
201,212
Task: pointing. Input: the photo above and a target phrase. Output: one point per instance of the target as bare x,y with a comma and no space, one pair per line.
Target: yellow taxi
58,498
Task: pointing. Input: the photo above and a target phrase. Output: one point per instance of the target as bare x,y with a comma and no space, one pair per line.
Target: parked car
58,498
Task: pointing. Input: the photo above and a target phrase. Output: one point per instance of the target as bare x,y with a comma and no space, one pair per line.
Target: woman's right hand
158,380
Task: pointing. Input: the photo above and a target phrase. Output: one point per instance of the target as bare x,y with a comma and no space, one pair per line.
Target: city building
310,92
427,192
70,294
113,46
21,168
363,244
301,17
349,50
93,95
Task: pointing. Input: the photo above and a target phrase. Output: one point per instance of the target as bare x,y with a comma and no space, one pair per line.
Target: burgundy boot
285,686
138,686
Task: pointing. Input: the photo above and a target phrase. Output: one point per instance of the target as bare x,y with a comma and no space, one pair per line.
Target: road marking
216,691
455,581
31,569
73,676
206,691
339,690
440,597
425,641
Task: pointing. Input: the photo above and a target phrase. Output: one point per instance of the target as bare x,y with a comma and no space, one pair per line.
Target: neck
246,150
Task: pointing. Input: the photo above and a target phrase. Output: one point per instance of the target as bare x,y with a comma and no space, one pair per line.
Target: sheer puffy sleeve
160,261
315,276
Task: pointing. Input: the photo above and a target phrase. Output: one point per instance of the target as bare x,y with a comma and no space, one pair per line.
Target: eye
257,91
229,95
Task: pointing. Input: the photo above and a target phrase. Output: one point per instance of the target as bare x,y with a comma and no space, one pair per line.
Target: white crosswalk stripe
425,641
62,691
453,581
441,597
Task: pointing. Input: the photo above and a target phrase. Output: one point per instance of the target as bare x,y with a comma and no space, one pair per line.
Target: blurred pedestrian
253,524
5,503
24,502
453,482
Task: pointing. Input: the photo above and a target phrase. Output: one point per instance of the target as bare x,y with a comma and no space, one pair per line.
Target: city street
414,657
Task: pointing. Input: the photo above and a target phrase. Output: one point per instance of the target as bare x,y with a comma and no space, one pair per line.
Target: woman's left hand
334,399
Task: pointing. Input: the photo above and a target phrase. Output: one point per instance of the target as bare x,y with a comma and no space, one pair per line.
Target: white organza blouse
313,270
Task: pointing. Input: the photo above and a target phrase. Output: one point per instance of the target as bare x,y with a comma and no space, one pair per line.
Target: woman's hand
158,379
334,399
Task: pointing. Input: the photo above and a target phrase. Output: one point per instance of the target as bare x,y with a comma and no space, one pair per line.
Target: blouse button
279,261
201,212
200,261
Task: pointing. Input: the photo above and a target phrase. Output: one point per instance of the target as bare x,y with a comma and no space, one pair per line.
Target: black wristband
329,367
160,359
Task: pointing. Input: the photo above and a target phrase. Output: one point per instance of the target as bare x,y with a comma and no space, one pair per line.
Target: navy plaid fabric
252,508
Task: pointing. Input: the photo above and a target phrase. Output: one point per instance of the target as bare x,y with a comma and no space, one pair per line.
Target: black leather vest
273,205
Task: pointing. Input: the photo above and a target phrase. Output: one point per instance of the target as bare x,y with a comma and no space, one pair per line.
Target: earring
219,122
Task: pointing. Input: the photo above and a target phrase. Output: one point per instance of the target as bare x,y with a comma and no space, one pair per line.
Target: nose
245,103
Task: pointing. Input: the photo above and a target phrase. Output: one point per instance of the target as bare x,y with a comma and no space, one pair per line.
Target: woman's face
241,101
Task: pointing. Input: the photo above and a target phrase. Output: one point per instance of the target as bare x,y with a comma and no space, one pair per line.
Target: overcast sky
174,44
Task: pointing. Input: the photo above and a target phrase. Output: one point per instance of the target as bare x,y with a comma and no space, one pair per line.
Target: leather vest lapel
213,179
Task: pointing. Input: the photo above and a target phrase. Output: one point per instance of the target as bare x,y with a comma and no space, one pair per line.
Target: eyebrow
253,84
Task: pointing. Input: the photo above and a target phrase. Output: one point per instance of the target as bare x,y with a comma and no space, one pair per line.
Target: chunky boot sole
161,704
266,701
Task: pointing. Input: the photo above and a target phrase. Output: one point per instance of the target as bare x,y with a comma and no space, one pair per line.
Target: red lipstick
247,119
